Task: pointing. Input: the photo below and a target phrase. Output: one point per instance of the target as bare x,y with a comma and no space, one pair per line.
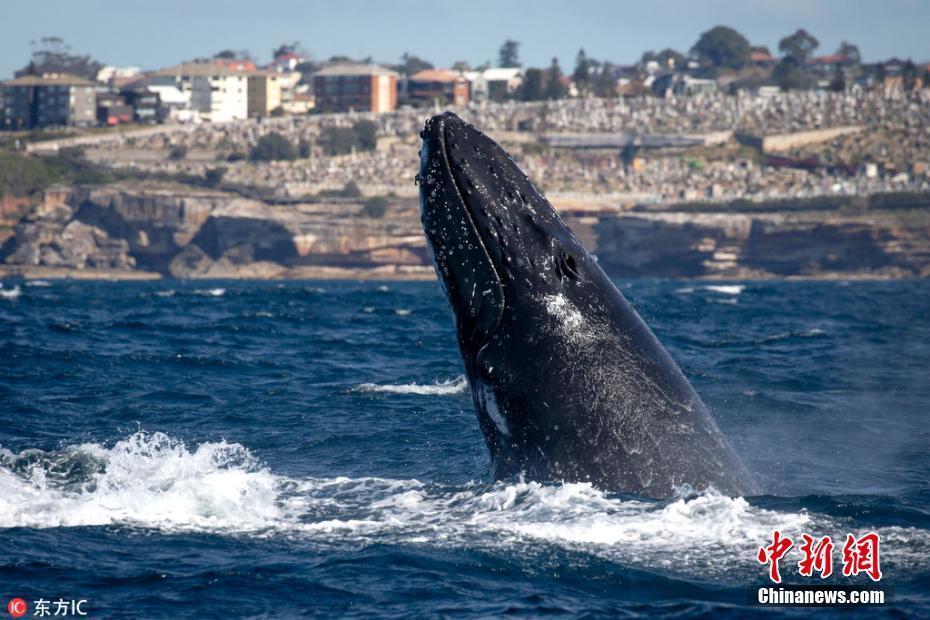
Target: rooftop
435,75
500,73
355,69
49,79
200,69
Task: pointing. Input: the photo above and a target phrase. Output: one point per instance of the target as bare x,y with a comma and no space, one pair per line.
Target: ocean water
268,449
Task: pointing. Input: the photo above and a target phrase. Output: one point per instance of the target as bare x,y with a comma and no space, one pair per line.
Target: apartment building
49,100
344,87
216,92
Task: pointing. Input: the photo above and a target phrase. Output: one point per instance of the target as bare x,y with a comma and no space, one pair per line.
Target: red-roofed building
761,58
235,64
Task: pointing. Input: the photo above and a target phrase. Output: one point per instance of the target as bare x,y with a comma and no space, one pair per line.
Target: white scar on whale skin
563,310
490,407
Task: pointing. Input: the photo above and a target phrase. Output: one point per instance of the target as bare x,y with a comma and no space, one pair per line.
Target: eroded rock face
737,245
198,234
187,233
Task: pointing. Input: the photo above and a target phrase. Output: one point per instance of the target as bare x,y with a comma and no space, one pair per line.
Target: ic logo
17,607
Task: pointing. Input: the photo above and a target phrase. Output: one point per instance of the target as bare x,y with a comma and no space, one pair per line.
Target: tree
722,47
788,74
838,82
338,140
53,55
351,190
460,65
177,153
555,89
272,147
850,54
287,48
375,207
412,64
366,135
880,74
909,75
509,55
303,149
582,73
670,59
606,83
533,86
225,55
214,176
799,46
647,57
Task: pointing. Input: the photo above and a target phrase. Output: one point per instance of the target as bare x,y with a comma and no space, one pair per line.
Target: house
112,109
146,104
215,91
287,62
760,58
295,95
439,84
681,84
360,87
49,100
501,82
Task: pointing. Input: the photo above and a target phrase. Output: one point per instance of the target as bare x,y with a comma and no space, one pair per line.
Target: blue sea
263,449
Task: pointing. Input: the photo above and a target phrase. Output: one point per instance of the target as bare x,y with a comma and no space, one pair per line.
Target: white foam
168,293
40,283
153,481
211,292
146,479
402,311
726,289
10,293
440,388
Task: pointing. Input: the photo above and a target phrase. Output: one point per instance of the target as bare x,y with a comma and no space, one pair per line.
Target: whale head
497,243
503,255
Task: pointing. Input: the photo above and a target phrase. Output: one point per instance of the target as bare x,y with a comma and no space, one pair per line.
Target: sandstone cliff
176,231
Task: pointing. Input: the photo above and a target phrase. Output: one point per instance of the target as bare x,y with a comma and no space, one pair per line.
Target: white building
217,93
110,73
494,83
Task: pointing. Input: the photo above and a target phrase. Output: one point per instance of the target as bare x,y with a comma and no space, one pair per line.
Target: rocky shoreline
133,232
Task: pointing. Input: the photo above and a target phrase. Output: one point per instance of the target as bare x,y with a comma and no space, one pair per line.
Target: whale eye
565,266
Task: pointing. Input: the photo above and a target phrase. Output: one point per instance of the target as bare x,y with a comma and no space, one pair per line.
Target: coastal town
713,147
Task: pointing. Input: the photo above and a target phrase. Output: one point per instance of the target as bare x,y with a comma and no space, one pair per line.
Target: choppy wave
153,481
806,333
10,293
211,292
39,283
441,388
725,289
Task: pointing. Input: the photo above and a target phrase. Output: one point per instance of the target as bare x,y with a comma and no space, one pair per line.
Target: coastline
403,274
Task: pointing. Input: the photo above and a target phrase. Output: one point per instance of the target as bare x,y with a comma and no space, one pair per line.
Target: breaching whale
570,384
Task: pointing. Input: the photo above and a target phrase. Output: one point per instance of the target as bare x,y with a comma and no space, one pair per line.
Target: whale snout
467,272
